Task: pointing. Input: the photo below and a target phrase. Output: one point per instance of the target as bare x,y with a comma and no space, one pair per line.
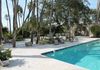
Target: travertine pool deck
30,58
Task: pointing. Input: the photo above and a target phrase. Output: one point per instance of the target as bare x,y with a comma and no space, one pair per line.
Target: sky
93,4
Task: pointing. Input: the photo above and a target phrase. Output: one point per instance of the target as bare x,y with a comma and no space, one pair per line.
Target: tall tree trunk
33,16
32,36
51,16
8,15
0,22
38,25
14,22
39,21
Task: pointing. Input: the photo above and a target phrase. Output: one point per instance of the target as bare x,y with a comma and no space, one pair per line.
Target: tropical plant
95,30
67,12
5,54
19,14
54,16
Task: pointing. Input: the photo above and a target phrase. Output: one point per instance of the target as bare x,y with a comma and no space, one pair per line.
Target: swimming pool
86,55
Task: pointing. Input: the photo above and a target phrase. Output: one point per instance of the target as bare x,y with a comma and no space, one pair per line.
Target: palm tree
31,23
19,14
40,18
37,21
48,14
8,15
51,18
29,6
33,18
0,22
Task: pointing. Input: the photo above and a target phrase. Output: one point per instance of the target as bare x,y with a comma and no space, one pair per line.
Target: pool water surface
86,55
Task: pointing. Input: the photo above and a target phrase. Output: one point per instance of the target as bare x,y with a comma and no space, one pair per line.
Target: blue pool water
86,55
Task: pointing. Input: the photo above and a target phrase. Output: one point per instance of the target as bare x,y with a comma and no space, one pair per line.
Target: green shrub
19,38
5,30
23,32
5,54
95,30
8,36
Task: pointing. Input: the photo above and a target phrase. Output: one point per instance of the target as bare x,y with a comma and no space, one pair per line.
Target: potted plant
5,54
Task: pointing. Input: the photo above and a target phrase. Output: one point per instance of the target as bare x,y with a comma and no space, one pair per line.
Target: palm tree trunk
14,23
0,22
38,25
32,36
33,15
39,21
8,15
51,15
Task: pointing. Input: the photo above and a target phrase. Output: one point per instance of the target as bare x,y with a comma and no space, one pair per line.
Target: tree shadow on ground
30,56
16,62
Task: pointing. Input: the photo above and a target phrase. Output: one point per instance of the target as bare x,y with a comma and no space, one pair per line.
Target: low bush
95,30
19,38
5,54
